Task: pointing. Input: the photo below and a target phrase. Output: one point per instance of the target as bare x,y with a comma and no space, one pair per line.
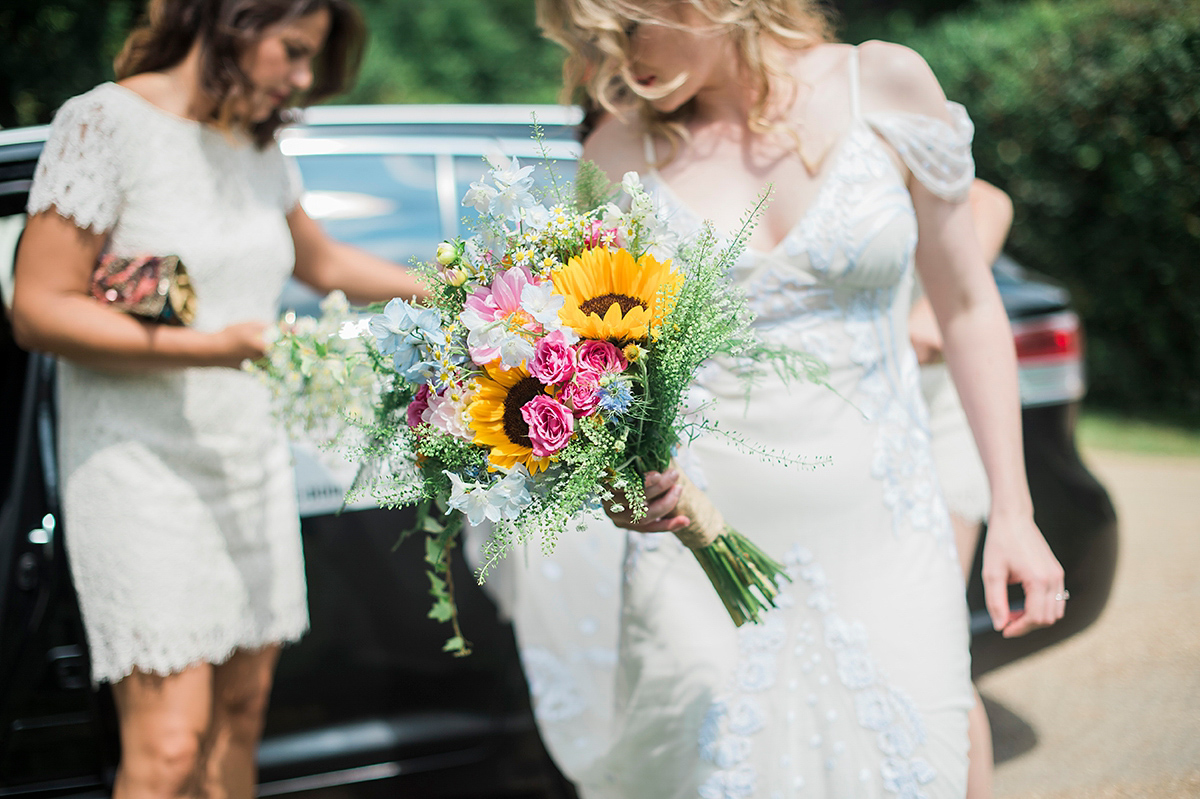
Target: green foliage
55,49
592,187
456,51
1088,115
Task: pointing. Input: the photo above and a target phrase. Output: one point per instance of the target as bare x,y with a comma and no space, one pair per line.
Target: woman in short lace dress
858,684
180,509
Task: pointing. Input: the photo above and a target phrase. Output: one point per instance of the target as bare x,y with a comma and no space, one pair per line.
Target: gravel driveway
1115,710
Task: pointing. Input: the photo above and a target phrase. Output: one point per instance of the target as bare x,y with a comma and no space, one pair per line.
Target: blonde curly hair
595,34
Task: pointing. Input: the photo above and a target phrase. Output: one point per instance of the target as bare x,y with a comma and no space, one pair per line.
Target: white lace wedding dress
181,522
858,684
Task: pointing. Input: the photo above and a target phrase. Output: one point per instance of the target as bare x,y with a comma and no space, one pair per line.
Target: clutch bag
153,287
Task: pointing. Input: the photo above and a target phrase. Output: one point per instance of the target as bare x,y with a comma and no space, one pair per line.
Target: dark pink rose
582,394
600,357
418,406
550,424
553,361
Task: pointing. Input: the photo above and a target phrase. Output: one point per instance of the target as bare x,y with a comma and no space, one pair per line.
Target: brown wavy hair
595,34
227,29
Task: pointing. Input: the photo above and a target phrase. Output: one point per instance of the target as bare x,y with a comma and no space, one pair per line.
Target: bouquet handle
744,576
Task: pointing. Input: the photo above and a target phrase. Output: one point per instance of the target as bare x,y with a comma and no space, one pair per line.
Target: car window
386,204
469,169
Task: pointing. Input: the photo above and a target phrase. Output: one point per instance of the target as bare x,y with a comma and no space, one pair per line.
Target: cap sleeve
293,188
937,152
286,172
79,172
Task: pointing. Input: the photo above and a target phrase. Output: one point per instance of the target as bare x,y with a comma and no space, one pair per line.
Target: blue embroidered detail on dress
725,735
879,707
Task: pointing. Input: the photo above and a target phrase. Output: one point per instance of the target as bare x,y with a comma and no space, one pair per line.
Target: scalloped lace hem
165,663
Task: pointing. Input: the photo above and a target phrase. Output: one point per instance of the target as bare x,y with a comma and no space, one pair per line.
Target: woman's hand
662,492
239,342
1015,553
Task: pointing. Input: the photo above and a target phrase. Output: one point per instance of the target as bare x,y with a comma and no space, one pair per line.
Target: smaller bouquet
547,375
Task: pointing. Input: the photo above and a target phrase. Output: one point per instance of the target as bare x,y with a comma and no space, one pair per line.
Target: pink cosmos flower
553,360
417,406
503,319
551,424
600,357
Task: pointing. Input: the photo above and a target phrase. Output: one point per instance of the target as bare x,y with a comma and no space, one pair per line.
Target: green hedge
1088,114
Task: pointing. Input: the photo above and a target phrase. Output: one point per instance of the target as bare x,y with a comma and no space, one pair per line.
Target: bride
858,685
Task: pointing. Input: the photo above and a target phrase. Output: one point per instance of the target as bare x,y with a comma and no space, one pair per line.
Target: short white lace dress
858,685
960,468
180,510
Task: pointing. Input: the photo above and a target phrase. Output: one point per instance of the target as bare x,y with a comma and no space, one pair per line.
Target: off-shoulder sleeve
80,170
937,152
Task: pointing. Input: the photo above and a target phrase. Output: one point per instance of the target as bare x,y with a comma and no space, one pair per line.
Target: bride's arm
979,351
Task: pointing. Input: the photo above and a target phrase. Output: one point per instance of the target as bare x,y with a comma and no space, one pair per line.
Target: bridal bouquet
547,374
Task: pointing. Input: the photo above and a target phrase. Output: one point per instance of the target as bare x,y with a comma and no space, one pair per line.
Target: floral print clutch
152,287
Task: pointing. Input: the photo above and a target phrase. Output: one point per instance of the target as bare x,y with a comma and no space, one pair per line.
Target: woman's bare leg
163,724
241,688
979,770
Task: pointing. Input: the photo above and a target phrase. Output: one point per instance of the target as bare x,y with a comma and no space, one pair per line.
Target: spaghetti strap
855,105
648,148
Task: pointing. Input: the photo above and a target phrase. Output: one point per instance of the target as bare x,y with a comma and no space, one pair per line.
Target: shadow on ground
1011,735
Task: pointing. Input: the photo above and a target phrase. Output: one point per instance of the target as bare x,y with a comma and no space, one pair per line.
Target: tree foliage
55,49
1088,114
464,51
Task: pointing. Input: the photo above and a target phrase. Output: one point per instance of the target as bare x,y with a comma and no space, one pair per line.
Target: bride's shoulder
617,146
896,78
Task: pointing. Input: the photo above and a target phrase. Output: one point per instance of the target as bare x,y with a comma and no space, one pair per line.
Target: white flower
504,499
352,330
509,172
479,197
511,494
511,197
611,216
515,349
335,303
631,183
448,413
539,301
470,498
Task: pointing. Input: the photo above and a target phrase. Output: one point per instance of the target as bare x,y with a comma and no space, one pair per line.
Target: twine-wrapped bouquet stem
744,576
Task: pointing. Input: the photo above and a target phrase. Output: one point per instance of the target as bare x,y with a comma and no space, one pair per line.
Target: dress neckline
157,109
823,191
234,137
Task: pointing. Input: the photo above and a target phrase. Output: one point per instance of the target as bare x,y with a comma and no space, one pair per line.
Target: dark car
367,703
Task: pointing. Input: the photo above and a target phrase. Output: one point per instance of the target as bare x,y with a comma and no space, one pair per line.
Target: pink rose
551,424
553,361
600,357
582,394
418,406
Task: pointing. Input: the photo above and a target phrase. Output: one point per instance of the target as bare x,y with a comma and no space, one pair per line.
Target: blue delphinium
406,333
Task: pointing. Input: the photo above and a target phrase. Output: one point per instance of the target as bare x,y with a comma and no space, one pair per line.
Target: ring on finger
1062,596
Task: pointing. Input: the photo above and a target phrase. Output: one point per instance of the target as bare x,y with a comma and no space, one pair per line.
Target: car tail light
1050,359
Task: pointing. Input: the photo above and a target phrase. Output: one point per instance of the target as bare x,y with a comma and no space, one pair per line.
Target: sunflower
611,296
495,413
